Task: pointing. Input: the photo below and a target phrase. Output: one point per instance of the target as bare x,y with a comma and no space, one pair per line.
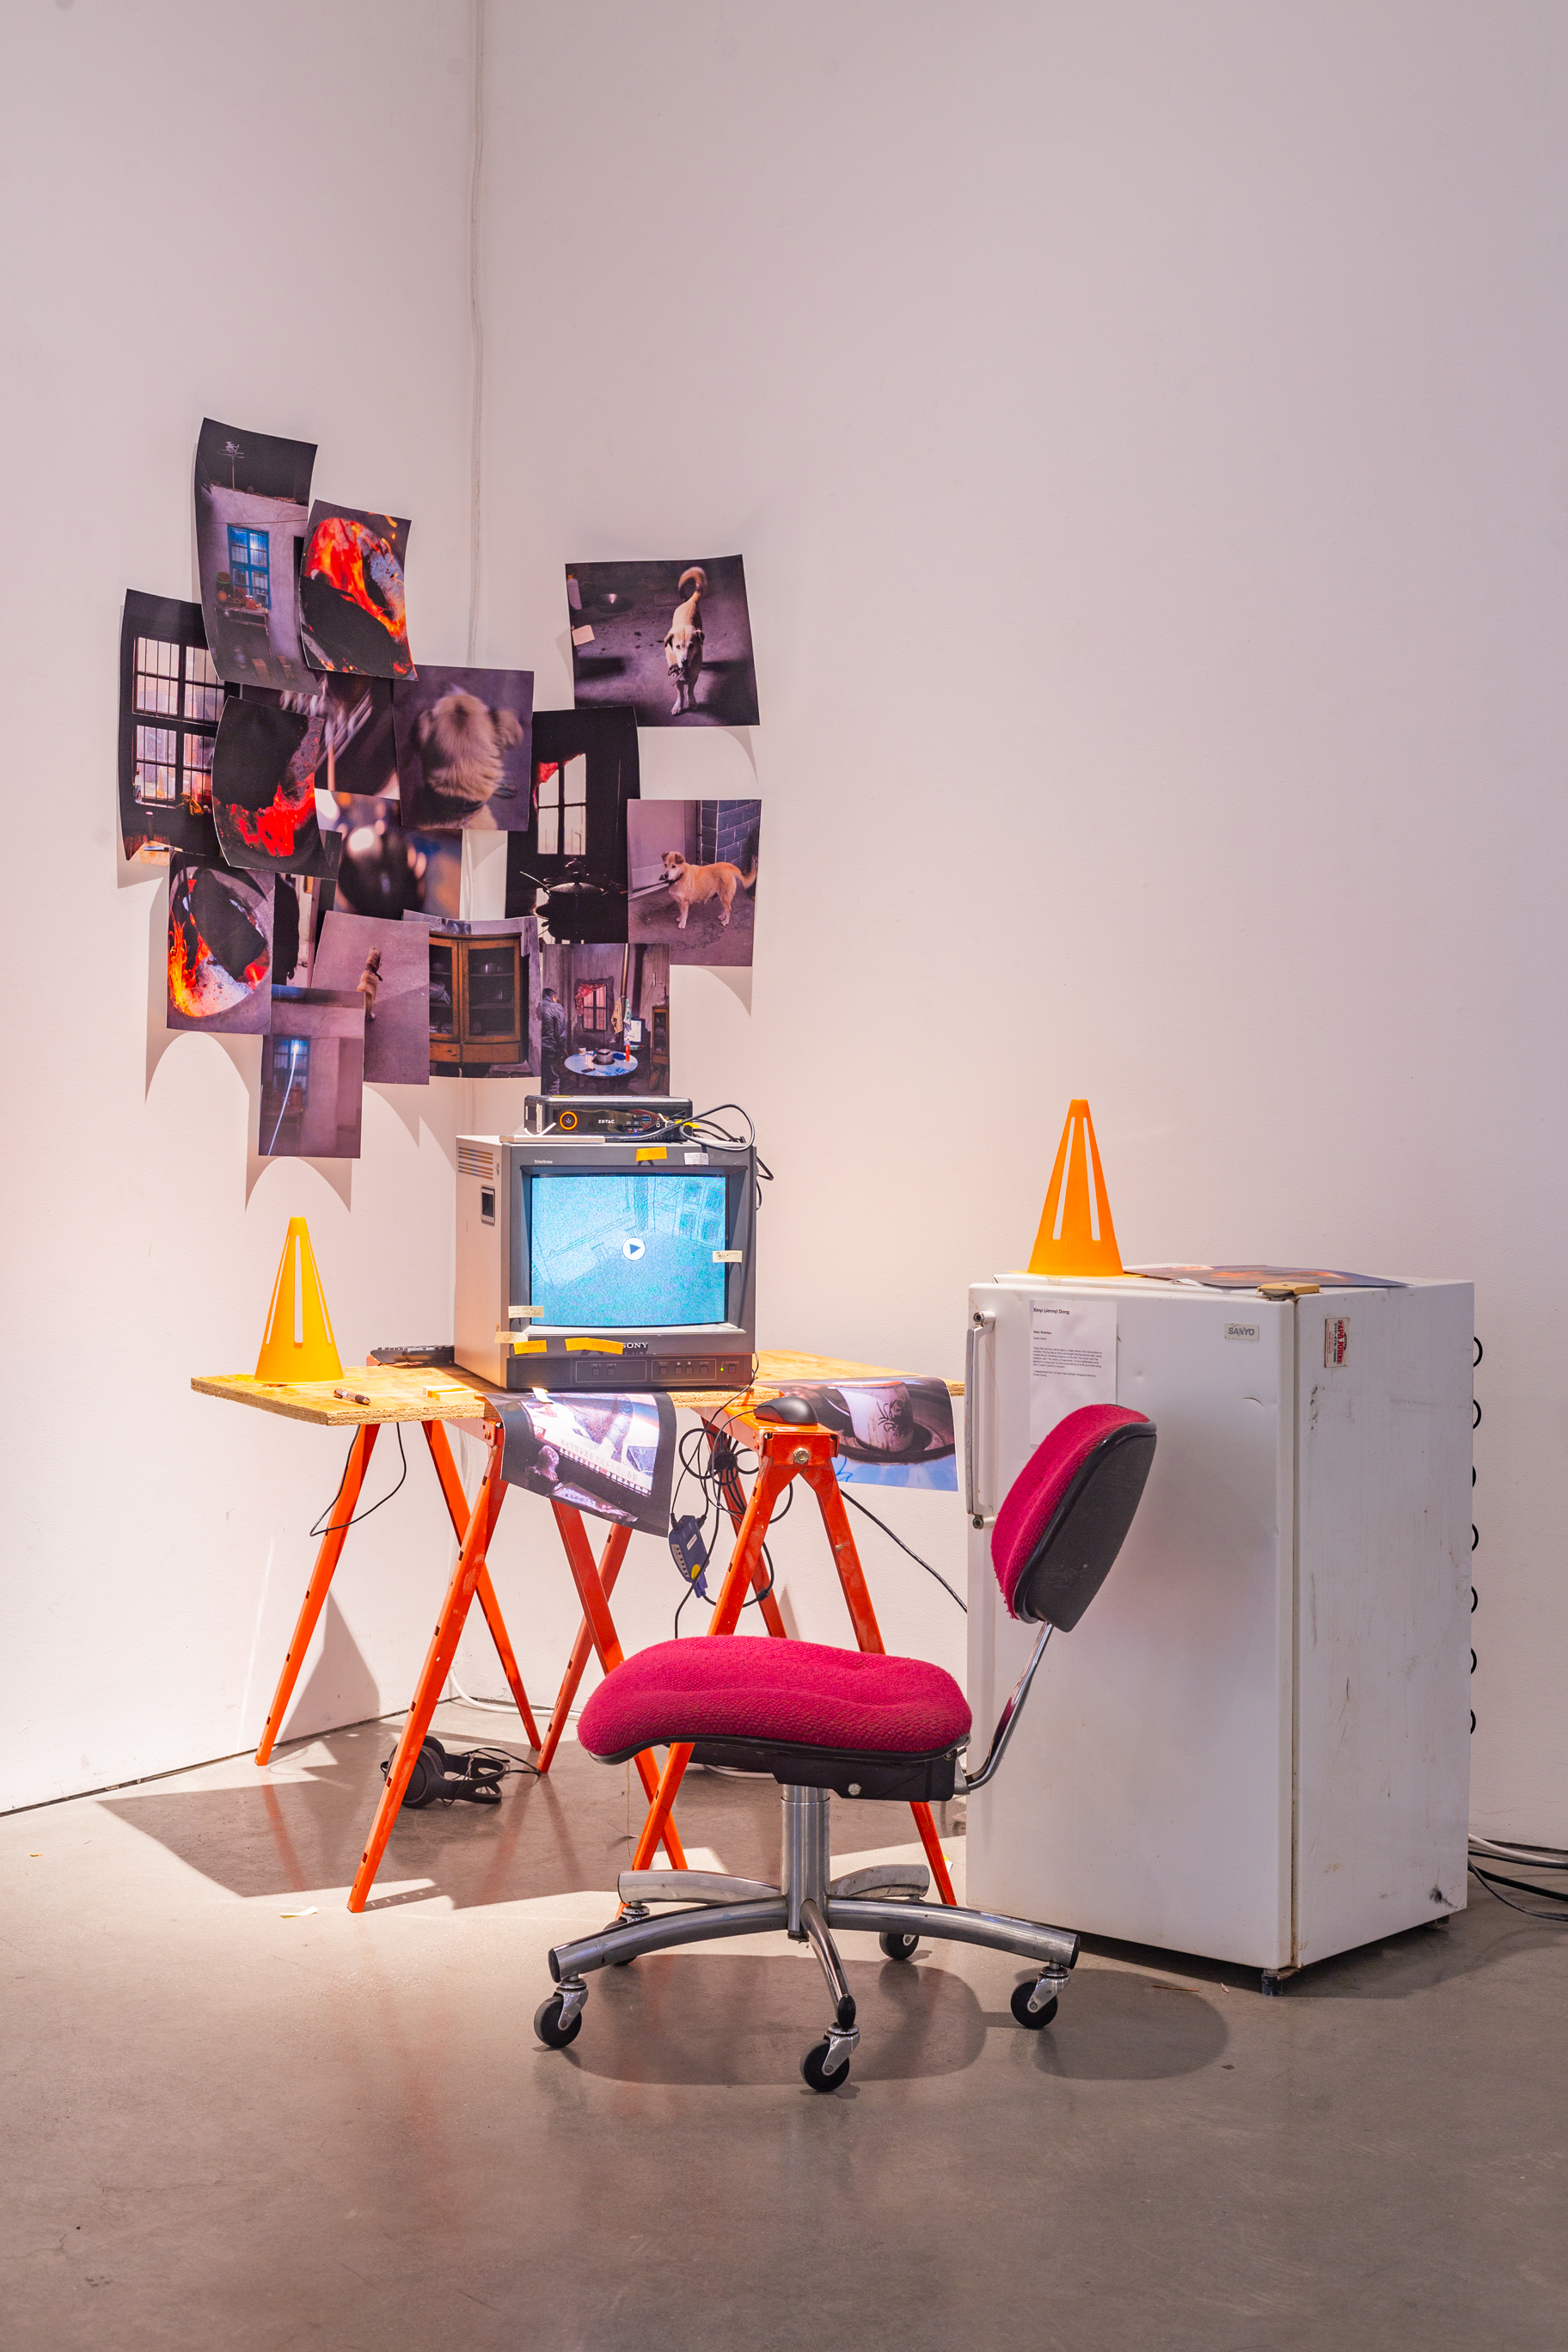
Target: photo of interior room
874,1535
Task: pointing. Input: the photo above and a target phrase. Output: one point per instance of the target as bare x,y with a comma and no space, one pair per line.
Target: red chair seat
752,1687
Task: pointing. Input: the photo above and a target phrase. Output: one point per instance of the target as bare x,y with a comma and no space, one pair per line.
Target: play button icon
633,1250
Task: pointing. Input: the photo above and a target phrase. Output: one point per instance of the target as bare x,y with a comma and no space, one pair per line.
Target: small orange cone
1076,1233
297,1306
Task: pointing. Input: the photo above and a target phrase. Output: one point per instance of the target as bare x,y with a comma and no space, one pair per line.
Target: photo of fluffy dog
672,640
691,871
463,747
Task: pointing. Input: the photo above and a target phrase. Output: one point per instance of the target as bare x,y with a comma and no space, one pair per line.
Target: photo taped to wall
672,639
571,862
605,1020
691,868
351,613
171,700
253,494
485,998
264,793
312,1075
463,749
220,948
387,964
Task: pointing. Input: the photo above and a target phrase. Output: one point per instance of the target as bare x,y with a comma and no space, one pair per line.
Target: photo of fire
220,948
351,613
264,788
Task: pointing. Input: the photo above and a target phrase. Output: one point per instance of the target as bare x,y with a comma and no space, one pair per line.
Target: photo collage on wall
311,787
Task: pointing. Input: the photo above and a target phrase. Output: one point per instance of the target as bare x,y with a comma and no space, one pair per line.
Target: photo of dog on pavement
673,640
691,869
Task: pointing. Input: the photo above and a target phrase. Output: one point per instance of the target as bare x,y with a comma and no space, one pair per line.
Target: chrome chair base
885,1900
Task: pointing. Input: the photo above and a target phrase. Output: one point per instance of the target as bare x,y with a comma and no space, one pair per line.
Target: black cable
1549,1894
888,1531
344,1524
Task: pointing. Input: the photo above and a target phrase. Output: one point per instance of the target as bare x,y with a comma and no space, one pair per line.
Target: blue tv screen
608,1252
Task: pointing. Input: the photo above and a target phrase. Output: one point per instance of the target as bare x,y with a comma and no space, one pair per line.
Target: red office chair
821,1719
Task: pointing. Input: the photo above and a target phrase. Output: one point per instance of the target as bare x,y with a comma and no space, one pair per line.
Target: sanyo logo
1241,1330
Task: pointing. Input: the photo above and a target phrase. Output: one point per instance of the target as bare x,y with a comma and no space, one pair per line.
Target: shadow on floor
575,1830
722,2018
1391,1970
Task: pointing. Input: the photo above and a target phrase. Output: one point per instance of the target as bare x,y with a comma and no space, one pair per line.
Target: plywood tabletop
383,1393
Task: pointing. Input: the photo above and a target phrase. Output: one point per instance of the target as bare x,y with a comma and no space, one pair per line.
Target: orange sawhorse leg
610,1560
320,1580
607,1641
457,1510
779,1468
470,1567
821,1479
746,1559
734,1495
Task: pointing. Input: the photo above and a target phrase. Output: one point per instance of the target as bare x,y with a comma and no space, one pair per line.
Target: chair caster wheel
1032,2018
811,2067
548,2026
898,1947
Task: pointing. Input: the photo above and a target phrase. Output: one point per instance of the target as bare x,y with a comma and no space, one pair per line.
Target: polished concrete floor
237,2117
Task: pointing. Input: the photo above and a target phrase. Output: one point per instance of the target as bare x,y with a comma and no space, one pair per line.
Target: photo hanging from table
691,870
252,493
611,1455
891,1432
605,1020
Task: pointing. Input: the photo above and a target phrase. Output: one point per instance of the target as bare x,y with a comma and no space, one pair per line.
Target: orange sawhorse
785,1454
474,1530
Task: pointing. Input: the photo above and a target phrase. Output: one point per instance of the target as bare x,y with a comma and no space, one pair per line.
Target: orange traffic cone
1076,1233
299,1345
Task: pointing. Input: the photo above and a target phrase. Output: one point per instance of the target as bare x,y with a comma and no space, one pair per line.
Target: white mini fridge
1255,1745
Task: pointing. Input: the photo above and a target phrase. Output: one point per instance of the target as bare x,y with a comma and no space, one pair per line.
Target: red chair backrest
1066,1513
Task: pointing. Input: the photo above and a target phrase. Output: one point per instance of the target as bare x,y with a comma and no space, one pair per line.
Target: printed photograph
611,1455
253,494
312,1075
171,700
485,999
220,948
463,749
354,745
691,868
299,902
604,1021
570,863
891,1432
388,965
264,797
672,639
352,613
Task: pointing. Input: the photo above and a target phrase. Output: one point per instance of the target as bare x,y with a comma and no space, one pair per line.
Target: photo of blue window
250,567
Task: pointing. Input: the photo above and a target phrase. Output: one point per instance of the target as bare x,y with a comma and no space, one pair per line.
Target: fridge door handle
980,1327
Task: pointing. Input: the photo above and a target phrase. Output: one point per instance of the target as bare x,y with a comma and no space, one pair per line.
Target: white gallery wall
1145,430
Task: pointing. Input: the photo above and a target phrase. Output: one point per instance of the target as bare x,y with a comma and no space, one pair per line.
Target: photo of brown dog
463,749
691,871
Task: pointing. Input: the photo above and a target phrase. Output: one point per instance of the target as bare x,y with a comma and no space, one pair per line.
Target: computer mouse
791,1409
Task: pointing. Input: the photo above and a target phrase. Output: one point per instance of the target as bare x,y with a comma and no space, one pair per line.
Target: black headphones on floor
439,1779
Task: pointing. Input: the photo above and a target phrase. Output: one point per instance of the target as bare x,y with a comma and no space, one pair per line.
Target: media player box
597,1262
620,1115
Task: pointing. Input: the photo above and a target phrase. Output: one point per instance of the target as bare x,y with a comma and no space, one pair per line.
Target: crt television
593,1263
